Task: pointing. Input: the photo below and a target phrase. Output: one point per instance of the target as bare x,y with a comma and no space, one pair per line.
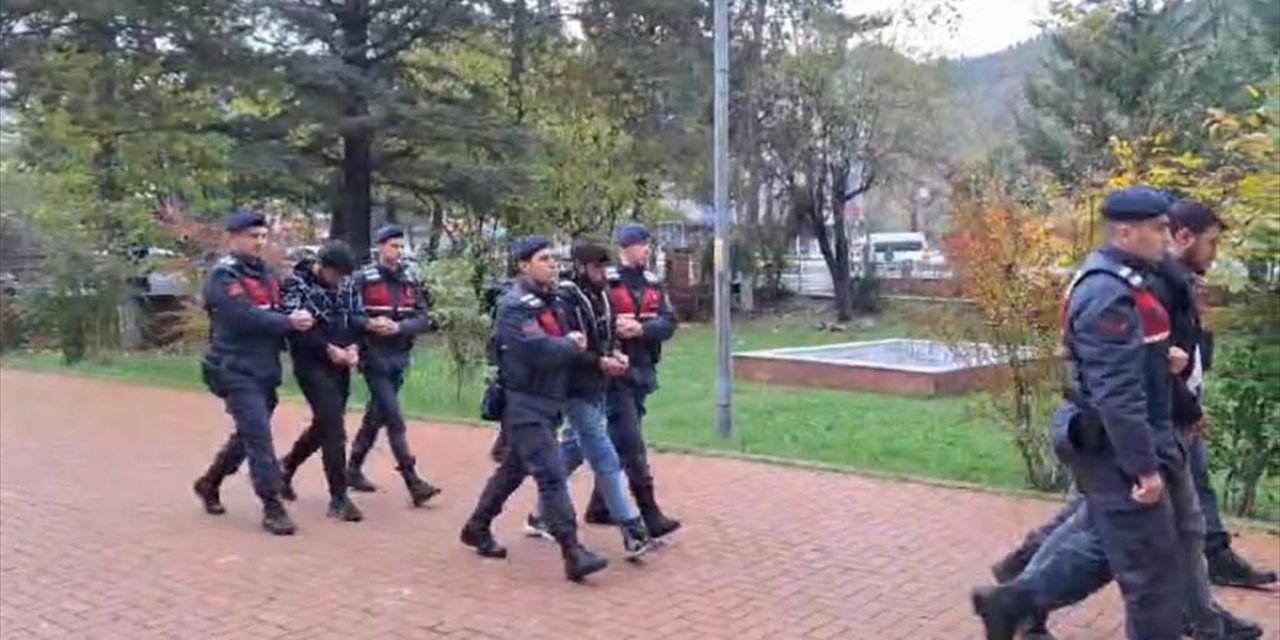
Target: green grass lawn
940,438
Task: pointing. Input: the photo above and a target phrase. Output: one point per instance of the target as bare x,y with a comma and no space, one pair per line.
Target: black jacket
337,311
587,310
1174,285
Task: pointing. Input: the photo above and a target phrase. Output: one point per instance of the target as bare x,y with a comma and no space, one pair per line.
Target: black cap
336,255
1194,216
524,247
387,232
241,220
1133,204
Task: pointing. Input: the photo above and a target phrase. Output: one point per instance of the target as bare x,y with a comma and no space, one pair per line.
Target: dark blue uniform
1073,563
326,385
242,366
1117,332
636,292
384,361
534,363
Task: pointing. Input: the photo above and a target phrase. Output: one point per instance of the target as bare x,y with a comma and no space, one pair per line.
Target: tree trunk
437,230
754,168
357,144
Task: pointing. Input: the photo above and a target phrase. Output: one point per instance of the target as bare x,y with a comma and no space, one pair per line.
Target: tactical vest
643,302
382,297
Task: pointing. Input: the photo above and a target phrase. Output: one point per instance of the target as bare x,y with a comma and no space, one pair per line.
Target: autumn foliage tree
1008,261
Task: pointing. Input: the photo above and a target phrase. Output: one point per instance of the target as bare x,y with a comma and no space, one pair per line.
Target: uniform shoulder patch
227,261
531,301
370,273
611,274
650,277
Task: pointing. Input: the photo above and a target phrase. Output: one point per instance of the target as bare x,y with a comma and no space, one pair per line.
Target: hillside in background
987,94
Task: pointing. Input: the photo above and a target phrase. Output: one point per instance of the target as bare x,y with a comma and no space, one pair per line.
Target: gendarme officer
247,333
1116,430
535,357
395,312
643,322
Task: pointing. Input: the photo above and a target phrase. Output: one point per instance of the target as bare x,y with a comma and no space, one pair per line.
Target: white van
902,247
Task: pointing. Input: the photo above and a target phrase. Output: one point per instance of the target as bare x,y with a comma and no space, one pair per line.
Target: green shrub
1244,408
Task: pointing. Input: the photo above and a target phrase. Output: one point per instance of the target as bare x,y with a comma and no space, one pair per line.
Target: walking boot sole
580,575
420,501
345,517
495,552
1261,584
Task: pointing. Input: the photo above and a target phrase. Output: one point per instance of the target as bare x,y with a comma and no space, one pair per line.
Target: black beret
335,254
524,247
387,232
1133,204
240,220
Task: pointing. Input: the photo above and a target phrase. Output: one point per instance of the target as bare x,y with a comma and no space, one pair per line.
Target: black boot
598,512
342,508
478,537
580,563
1228,569
658,524
1037,628
357,482
207,490
1225,627
1002,609
636,540
1238,628
275,519
1011,566
420,491
286,481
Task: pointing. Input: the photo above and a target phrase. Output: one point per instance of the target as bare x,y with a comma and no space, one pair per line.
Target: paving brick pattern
101,538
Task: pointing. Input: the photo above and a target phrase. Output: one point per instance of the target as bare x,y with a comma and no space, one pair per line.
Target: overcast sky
984,26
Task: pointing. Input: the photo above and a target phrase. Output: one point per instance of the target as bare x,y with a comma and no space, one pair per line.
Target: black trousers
532,450
327,389
384,409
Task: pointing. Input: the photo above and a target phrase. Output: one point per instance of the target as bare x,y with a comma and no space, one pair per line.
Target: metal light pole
724,372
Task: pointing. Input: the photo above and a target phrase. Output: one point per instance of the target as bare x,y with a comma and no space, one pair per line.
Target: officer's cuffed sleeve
229,303
662,327
1108,345
520,332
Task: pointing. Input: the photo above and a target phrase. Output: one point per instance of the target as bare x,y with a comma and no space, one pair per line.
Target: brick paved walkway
101,538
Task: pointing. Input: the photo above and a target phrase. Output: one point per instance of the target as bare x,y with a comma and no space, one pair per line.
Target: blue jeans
585,436
1216,537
